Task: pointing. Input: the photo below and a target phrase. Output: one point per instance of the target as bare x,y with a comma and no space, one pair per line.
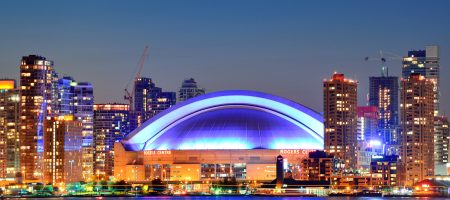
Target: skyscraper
189,89
62,150
9,129
340,118
142,88
83,101
160,101
417,122
441,145
383,94
368,123
37,79
111,123
149,100
65,104
426,63
77,100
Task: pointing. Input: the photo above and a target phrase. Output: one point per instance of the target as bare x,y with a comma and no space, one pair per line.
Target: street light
71,172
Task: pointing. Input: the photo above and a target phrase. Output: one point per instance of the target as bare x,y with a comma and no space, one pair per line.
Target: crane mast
130,95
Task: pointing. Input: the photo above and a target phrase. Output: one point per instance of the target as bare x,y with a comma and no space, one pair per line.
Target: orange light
68,118
7,84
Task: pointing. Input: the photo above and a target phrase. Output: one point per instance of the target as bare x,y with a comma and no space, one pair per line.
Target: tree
121,186
104,185
227,184
158,185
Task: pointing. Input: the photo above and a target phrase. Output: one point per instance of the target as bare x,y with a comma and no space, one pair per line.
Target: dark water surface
238,198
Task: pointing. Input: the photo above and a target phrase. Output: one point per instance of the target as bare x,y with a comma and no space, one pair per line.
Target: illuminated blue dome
230,120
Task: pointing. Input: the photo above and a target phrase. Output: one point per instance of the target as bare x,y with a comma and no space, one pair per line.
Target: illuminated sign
7,84
295,151
157,152
377,157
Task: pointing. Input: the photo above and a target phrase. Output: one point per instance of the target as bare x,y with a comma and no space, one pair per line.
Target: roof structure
234,119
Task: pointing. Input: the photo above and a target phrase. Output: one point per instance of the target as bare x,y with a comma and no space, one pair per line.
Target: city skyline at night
263,40
115,98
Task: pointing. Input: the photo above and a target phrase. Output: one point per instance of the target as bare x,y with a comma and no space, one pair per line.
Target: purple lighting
231,120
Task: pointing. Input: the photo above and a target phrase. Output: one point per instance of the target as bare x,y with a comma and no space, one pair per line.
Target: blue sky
280,47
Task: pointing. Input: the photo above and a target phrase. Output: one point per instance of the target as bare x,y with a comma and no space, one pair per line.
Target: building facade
149,100
36,102
426,63
441,143
220,135
383,94
368,123
9,129
65,104
142,89
417,122
111,123
189,89
340,118
366,150
83,101
62,148
159,101
317,167
383,172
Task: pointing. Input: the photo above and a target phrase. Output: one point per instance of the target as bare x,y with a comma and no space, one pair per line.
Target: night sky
281,47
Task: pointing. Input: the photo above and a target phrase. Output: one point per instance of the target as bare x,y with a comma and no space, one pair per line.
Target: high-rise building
65,96
369,140
37,79
340,118
189,89
383,94
367,123
142,88
77,100
111,123
441,143
83,101
9,129
62,150
149,100
160,101
55,92
417,122
426,63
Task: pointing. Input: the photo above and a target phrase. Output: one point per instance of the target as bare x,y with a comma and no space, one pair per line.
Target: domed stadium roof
233,119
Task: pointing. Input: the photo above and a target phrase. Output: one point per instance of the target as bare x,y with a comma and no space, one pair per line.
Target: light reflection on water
238,198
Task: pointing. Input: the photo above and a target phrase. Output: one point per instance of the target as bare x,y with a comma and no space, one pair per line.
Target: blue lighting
230,120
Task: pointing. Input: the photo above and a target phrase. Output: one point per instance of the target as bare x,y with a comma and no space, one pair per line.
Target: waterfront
237,198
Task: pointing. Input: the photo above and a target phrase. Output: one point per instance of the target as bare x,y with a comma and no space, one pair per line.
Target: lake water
238,198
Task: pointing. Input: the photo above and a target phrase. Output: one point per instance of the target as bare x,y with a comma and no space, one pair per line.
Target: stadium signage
157,152
294,151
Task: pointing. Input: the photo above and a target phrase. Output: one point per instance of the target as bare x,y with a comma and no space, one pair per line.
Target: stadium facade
233,133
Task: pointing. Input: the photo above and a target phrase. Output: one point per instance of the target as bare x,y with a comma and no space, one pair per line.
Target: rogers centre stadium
222,134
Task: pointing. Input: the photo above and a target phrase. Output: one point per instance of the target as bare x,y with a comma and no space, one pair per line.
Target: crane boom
383,59
129,95
141,63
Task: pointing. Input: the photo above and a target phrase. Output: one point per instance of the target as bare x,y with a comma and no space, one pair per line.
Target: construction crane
129,95
383,59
